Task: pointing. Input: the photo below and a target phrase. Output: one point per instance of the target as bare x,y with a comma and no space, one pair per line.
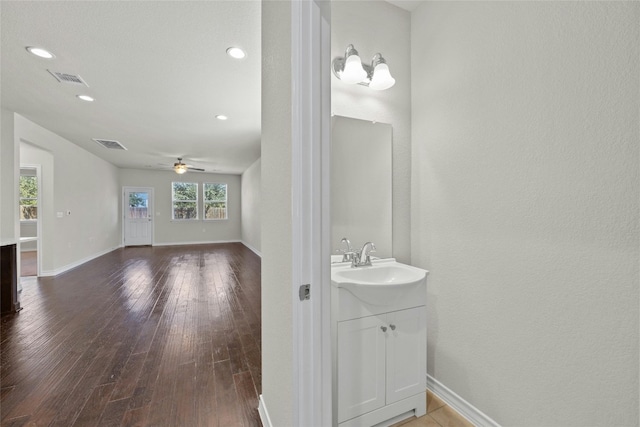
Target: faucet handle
347,256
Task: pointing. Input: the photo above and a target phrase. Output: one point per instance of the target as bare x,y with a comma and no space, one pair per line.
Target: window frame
173,201
20,199
205,201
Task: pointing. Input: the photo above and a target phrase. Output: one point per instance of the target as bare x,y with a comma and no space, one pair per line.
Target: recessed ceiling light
221,117
86,98
236,52
38,51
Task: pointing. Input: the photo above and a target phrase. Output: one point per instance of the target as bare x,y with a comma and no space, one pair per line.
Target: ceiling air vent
110,144
68,78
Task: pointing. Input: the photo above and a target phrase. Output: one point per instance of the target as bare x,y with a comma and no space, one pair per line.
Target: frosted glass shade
353,72
381,79
180,169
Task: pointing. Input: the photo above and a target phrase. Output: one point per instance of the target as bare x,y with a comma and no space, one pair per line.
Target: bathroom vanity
379,343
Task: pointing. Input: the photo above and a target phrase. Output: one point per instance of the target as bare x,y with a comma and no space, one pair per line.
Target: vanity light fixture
38,51
350,69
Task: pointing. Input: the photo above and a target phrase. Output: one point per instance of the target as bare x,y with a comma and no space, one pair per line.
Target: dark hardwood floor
28,263
142,336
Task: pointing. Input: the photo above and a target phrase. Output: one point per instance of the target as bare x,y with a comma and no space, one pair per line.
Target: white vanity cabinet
380,359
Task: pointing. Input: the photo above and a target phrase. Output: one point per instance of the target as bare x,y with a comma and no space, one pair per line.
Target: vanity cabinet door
361,366
406,353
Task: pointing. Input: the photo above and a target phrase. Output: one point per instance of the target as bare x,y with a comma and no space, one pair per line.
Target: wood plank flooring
142,336
28,263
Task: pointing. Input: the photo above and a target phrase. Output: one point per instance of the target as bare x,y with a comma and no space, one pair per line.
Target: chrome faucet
347,254
362,257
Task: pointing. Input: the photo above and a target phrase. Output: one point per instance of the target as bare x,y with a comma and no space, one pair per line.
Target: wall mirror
361,179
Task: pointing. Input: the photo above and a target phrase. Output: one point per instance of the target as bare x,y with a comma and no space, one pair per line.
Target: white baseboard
464,408
196,243
254,250
264,414
49,273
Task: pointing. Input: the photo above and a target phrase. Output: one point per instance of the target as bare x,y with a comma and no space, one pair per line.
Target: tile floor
439,414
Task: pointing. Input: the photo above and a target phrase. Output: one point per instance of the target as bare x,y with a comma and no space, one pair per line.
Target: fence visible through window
138,212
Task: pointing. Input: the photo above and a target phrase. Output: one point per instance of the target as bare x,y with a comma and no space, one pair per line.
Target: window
215,201
184,196
138,205
28,198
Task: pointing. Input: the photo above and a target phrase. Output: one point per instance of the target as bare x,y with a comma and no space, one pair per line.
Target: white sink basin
379,284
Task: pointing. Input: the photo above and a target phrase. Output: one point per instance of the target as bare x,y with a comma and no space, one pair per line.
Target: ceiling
409,5
158,71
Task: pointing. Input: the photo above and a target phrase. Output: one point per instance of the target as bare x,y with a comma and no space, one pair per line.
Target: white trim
310,109
78,263
264,414
197,243
254,250
464,408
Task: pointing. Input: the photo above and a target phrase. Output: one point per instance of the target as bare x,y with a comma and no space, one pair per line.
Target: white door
138,216
361,366
406,353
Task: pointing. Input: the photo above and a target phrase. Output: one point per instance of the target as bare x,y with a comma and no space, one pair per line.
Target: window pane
215,210
185,191
217,192
28,197
185,210
138,205
28,212
28,187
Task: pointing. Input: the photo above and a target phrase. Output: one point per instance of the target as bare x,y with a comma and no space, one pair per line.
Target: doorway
29,214
137,206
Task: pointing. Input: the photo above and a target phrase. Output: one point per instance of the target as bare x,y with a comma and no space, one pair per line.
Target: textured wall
526,205
167,231
276,238
372,27
83,184
251,186
8,180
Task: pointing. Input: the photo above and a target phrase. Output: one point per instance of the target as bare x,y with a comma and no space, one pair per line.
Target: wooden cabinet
9,280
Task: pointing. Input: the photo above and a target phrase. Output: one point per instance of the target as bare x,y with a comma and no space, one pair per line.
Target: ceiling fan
181,168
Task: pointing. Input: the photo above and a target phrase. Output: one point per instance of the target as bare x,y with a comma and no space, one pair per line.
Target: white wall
276,234
372,27
9,175
83,184
251,188
168,231
525,205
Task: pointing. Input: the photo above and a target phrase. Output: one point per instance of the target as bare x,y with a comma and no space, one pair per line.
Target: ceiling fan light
180,168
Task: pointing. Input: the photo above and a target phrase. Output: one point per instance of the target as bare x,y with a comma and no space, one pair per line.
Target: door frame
38,169
312,403
150,207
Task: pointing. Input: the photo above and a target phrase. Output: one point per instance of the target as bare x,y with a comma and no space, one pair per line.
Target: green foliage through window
215,201
28,198
185,200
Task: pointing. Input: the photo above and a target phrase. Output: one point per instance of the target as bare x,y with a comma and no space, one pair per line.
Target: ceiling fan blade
195,169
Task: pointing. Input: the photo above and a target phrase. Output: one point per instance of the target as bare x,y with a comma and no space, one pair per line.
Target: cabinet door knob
384,328
393,327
